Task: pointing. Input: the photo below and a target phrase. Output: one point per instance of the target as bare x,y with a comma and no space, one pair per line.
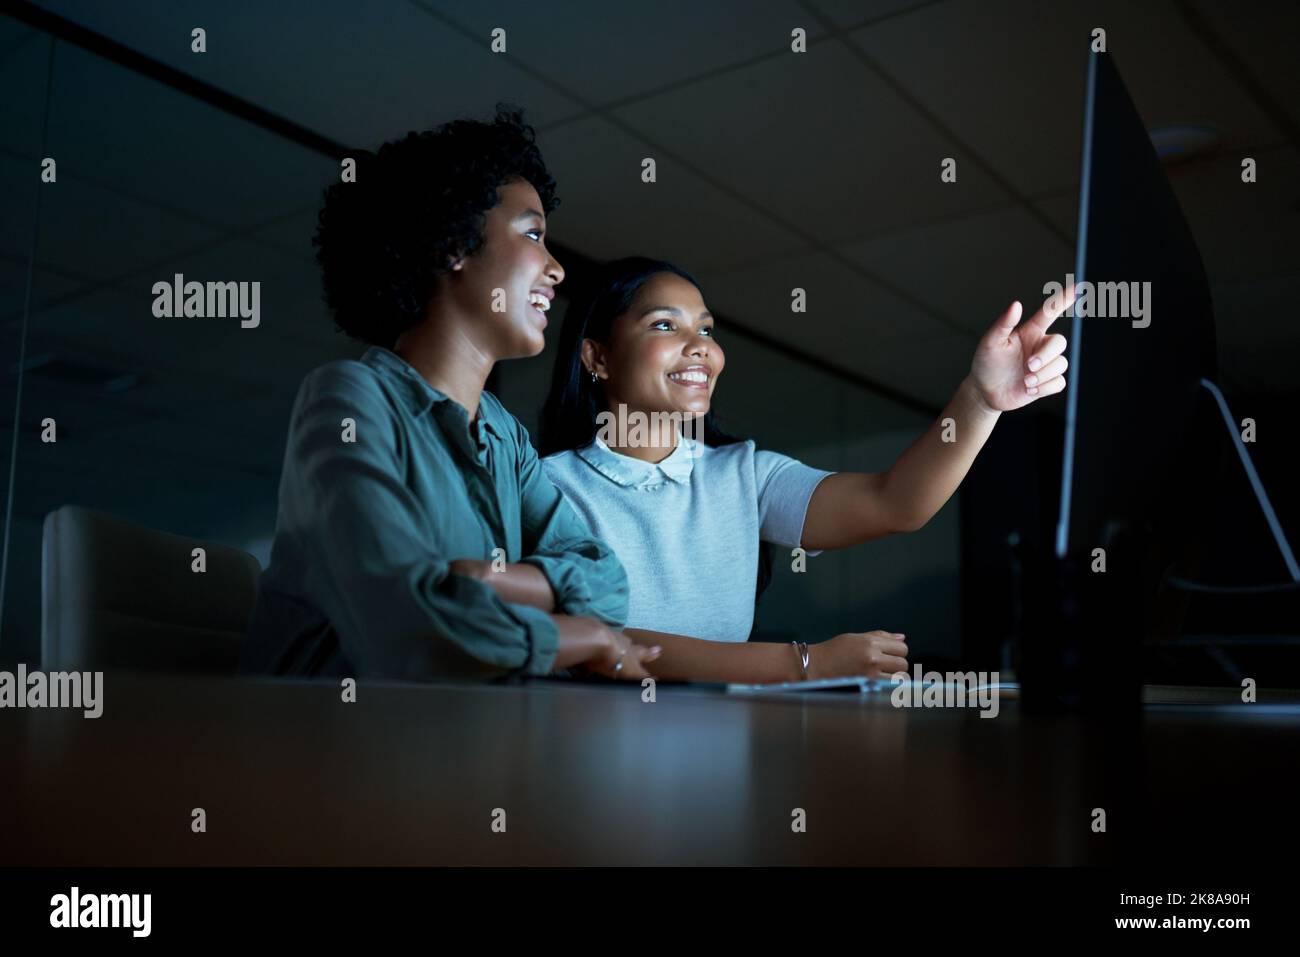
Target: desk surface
287,773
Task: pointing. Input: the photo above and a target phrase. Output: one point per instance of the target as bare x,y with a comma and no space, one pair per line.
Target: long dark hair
574,400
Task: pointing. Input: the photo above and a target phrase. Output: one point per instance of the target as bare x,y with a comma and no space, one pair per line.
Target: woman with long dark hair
629,436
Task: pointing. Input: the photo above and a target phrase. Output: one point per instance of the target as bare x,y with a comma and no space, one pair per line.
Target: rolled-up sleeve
585,574
386,590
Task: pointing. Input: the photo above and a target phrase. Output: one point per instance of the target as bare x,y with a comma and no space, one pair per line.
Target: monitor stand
1081,644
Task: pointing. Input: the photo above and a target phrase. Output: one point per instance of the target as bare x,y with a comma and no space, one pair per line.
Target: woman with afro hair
417,536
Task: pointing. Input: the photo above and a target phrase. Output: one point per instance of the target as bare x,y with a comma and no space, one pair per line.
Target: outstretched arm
1014,365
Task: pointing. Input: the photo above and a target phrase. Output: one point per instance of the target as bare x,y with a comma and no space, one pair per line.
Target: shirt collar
634,473
416,391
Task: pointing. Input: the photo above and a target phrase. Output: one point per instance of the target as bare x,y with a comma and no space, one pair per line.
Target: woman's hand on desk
584,642
587,643
874,654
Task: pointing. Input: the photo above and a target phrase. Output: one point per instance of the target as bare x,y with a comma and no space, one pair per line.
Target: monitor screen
1141,338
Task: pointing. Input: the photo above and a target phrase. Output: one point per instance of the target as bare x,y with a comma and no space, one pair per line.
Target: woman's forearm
698,659
580,640
518,583
928,473
849,508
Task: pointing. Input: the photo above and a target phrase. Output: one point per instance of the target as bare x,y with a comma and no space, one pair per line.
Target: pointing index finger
1053,308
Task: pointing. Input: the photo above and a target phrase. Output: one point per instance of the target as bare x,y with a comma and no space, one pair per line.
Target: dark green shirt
385,484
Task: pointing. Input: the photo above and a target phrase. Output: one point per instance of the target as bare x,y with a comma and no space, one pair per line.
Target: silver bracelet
801,649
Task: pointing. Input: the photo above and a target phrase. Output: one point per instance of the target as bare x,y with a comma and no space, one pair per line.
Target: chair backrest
122,597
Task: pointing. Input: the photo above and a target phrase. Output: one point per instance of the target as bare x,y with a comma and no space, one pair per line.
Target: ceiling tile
851,322
971,268
94,232
786,404
818,142
603,52
293,233
24,64
928,369
47,287
185,154
1264,36
849,13
360,73
607,211
110,325
1008,77
1244,230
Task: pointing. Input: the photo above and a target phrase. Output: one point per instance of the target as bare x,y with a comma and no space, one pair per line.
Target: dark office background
775,171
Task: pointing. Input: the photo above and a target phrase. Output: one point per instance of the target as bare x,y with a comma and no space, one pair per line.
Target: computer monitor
1137,435
1142,452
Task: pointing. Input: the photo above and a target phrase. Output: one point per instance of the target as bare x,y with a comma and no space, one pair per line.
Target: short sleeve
785,487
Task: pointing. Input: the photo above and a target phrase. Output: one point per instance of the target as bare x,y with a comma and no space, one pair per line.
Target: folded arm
399,609
581,573
516,582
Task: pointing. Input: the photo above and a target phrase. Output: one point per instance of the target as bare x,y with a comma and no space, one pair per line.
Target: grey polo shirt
687,529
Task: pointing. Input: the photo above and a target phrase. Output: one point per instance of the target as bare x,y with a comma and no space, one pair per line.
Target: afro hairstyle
417,205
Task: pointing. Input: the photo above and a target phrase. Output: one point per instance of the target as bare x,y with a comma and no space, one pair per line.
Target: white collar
637,473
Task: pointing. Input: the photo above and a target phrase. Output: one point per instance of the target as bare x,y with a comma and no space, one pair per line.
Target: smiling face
661,355
513,259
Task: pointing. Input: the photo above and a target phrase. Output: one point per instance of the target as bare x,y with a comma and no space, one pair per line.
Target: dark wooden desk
289,774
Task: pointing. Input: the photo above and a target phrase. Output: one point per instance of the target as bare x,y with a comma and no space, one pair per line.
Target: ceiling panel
94,232
24,63
1264,36
929,368
216,356
818,142
1012,86
167,146
1245,233
137,256
625,50
289,293
47,287
1243,230
851,13
845,310
972,268
293,232
607,211
357,72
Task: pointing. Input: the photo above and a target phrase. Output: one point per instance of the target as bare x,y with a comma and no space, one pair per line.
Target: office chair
122,597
